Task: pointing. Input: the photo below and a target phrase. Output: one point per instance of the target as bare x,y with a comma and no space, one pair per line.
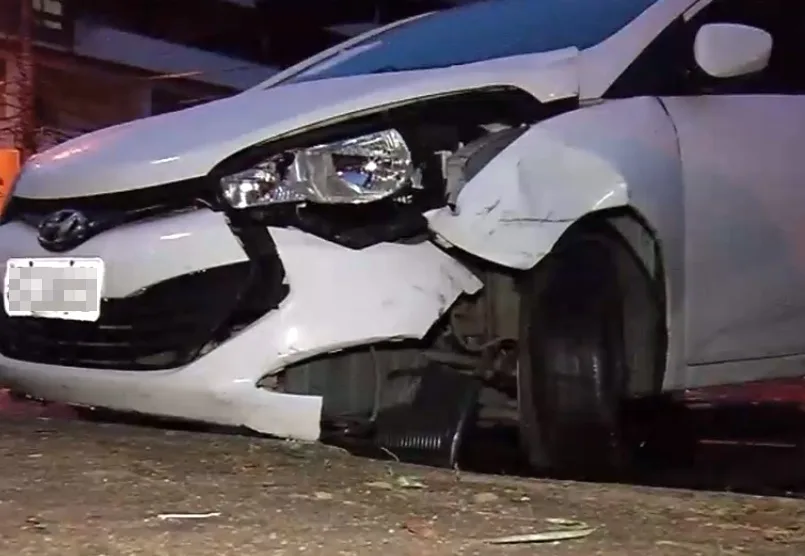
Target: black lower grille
166,326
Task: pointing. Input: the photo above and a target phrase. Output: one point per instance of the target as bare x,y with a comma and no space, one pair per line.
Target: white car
579,202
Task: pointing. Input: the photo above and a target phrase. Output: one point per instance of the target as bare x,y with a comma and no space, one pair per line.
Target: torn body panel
513,211
518,205
388,291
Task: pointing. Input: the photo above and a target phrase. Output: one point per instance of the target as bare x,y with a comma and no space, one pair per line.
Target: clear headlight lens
352,171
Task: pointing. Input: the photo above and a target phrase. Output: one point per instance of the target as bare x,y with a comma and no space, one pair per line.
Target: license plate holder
54,288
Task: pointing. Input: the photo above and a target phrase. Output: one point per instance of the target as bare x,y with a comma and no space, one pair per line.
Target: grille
113,209
166,326
173,195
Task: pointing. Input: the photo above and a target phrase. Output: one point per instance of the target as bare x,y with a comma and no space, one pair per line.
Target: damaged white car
573,203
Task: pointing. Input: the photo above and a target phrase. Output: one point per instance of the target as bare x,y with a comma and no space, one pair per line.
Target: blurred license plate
54,288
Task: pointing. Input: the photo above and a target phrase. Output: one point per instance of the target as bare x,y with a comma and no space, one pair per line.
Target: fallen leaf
35,523
380,484
566,522
686,545
782,536
543,536
409,482
485,497
189,515
420,528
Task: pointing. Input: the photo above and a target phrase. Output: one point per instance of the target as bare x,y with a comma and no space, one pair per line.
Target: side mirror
731,50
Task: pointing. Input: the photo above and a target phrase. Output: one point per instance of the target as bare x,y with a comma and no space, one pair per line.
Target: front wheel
572,370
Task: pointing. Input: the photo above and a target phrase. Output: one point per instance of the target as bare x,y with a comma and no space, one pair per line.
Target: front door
742,145
743,165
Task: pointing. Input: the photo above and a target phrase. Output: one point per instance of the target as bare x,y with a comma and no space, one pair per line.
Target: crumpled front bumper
338,298
215,388
197,392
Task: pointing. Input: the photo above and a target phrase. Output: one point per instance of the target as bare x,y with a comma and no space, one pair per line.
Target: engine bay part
476,338
468,160
432,428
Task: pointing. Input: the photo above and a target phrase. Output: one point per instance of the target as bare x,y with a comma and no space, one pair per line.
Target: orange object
9,168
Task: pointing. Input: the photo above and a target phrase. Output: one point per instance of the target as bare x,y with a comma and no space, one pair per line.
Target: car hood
189,143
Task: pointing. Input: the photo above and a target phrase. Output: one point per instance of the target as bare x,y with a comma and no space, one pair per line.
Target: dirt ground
77,488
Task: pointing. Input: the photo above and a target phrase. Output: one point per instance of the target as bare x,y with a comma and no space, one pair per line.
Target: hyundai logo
63,230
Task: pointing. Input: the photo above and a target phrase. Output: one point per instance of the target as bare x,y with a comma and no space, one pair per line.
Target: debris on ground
384,485
409,482
571,529
420,528
485,498
92,486
189,516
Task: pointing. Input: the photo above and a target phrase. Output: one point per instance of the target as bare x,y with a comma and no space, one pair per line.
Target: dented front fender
516,208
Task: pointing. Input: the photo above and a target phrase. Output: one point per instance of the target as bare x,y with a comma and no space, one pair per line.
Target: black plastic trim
110,210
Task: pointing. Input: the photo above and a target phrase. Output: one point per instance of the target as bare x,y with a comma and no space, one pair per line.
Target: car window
667,67
480,31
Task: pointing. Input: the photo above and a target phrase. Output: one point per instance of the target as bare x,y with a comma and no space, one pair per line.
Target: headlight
352,171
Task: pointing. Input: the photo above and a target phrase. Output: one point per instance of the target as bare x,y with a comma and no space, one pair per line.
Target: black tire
572,373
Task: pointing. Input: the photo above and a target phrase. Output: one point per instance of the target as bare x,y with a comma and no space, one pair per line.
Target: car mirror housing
725,50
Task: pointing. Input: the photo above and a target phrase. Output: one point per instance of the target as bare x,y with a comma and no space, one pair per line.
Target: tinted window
482,31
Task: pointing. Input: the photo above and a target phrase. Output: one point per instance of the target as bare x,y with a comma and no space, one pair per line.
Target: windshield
480,31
